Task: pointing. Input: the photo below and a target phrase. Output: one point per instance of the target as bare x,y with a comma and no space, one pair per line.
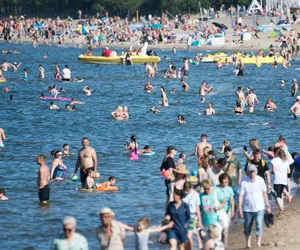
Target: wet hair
51,103
145,221
133,139
162,88
66,144
85,138
111,178
224,176
2,191
280,153
147,147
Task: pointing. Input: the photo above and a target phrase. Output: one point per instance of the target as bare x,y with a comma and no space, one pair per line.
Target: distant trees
115,7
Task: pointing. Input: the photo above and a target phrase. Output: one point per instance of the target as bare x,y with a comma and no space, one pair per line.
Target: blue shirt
208,203
227,194
180,216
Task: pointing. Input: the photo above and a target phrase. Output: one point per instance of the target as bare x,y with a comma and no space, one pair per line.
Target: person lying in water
155,111
74,101
146,149
90,182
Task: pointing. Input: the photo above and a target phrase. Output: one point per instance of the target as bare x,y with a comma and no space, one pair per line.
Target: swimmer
118,113
62,90
210,110
125,113
66,149
149,70
2,137
181,119
294,87
259,124
87,91
15,66
78,79
182,157
251,98
42,96
73,108
225,144
11,96
236,71
53,106
127,59
54,91
295,109
173,91
203,89
41,72
282,83
238,110
270,105
185,85
219,64
5,65
74,101
45,56
56,72
146,149
179,73
241,96
155,111
2,195
68,107
25,77
58,169
202,100
132,146
164,101
148,87
185,68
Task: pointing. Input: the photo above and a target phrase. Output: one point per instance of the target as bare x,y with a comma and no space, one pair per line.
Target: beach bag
222,215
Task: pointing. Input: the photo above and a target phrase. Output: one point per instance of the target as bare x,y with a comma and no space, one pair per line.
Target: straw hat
106,210
181,169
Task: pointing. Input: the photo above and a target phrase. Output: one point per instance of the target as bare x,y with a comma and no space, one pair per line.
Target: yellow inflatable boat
118,59
210,58
254,59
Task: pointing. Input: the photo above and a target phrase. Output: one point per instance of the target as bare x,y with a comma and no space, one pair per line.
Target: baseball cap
251,168
227,149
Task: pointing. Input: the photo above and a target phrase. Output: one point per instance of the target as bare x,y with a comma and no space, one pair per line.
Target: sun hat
181,169
251,168
106,210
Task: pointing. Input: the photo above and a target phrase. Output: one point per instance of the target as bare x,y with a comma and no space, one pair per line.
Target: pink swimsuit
133,154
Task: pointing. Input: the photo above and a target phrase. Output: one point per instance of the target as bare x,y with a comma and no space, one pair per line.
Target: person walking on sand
69,239
87,160
43,180
110,233
253,201
2,137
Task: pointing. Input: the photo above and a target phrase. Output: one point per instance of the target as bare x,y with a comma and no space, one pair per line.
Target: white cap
282,80
294,80
251,168
298,97
106,210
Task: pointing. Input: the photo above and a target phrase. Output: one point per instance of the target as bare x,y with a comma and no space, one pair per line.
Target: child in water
147,149
90,182
142,233
181,119
182,157
2,195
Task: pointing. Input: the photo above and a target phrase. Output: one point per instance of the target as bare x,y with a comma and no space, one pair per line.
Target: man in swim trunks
87,160
203,89
251,98
294,87
2,137
43,180
201,145
295,109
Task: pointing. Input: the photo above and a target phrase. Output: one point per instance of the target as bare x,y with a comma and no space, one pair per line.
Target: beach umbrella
84,30
156,26
221,26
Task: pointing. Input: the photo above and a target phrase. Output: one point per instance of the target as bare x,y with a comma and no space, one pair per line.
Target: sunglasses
69,230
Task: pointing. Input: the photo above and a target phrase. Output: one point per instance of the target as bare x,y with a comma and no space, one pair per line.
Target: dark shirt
167,164
181,216
261,166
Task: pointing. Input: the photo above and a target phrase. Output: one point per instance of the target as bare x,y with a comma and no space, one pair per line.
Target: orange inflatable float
104,187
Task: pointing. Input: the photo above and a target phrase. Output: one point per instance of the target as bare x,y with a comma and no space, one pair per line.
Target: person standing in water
203,89
87,160
185,68
164,99
133,147
2,137
294,87
251,98
295,109
201,145
43,180
56,72
41,72
66,74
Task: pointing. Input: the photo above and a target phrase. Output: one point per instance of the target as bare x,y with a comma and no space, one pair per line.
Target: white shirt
280,168
253,194
66,73
193,200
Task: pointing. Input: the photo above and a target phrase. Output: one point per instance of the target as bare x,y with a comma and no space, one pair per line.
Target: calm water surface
32,129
